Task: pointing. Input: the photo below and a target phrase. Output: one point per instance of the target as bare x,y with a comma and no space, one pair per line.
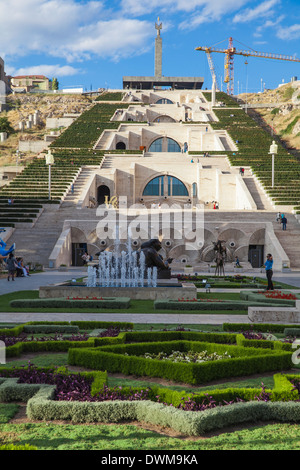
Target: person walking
11,266
269,271
278,217
284,222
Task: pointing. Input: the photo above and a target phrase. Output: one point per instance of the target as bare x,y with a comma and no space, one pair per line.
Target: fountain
140,274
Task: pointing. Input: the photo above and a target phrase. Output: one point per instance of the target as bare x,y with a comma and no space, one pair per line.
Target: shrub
113,303
124,359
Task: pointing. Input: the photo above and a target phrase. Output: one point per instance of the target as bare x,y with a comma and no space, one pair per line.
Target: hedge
262,327
284,407
190,423
11,390
127,359
209,305
292,332
255,296
106,302
46,329
17,447
145,336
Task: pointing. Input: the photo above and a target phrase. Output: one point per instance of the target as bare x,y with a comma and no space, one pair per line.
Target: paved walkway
54,277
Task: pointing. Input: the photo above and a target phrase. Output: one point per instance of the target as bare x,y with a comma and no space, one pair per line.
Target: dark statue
150,249
220,257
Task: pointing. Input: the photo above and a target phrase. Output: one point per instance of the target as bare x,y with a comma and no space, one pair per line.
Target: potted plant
63,267
188,269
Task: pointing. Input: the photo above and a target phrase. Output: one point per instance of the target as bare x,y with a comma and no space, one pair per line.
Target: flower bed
125,358
219,409
187,357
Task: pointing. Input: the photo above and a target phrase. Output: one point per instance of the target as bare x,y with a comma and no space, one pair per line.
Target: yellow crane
230,52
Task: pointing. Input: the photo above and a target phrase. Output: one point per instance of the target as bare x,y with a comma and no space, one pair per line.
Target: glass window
155,187
156,146
173,146
164,101
194,189
176,187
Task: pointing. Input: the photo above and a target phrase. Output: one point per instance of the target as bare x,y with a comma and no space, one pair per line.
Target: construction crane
230,52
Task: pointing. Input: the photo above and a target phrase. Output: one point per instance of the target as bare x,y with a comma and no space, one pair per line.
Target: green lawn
137,306
49,436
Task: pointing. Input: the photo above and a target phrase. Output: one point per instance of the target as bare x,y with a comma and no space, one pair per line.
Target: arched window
194,189
173,146
156,146
164,101
155,187
164,144
176,187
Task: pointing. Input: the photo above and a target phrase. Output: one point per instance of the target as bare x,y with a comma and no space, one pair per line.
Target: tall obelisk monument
158,51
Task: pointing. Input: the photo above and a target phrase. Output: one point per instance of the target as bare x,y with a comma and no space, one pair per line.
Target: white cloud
250,14
289,33
48,70
68,29
211,11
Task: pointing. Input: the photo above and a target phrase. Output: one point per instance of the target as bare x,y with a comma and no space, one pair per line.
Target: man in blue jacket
269,271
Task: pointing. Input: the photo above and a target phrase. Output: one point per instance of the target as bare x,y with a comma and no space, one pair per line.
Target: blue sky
94,43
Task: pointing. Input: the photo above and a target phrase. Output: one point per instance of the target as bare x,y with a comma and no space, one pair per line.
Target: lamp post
49,162
246,108
273,152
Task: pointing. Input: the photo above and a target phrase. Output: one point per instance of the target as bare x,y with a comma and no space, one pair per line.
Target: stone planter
188,270
238,270
63,268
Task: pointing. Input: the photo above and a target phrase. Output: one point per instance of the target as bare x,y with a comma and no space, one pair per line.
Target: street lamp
273,151
49,162
246,108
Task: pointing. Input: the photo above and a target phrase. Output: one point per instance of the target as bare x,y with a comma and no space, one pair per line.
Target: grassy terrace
111,96
30,188
254,144
85,131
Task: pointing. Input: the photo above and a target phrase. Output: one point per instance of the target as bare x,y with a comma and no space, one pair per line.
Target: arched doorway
121,146
102,192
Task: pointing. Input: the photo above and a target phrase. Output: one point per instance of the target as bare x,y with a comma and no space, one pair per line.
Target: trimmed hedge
41,407
263,327
292,332
106,302
46,329
255,296
11,390
126,359
211,305
17,447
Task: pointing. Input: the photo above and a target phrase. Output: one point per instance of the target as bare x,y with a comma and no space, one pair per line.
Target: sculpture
3,252
220,257
150,249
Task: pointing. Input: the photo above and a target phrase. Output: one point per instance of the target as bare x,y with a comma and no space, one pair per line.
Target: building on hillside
148,169
30,82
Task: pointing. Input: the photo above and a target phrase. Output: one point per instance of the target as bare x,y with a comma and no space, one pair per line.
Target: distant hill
284,116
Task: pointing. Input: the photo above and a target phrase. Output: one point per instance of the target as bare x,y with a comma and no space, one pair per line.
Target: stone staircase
81,182
289,239
259,196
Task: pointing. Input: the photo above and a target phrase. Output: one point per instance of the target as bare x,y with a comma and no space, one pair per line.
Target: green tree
5,125
55,84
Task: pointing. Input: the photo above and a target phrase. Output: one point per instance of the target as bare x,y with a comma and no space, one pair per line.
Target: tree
55,84
5,125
